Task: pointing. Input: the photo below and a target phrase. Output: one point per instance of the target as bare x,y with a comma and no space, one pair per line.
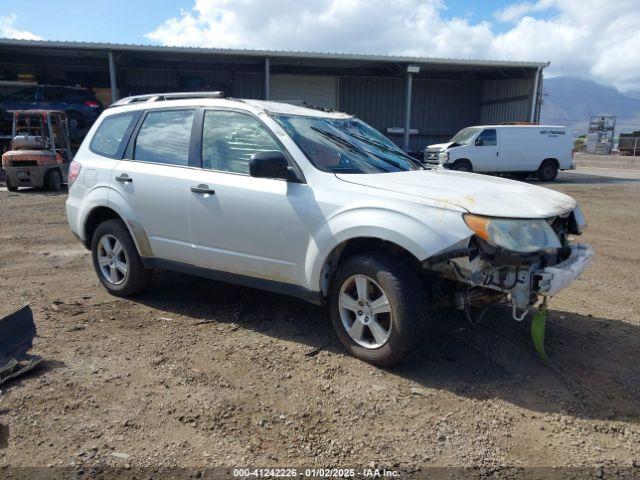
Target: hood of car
479,194
439,146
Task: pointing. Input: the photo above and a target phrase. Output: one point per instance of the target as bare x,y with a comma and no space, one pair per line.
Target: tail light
74,171
92,104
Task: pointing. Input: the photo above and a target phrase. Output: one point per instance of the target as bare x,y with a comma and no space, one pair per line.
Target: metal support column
407,118
535,95
267,74
112,78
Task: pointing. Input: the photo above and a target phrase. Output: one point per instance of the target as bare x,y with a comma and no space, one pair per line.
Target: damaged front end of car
514,261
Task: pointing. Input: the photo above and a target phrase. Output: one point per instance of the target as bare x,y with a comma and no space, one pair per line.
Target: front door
154,179
485,153
241,224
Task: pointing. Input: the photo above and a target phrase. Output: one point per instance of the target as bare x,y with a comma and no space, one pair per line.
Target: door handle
124,178
202,188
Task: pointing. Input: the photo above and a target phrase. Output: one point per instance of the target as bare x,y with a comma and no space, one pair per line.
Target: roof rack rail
158,97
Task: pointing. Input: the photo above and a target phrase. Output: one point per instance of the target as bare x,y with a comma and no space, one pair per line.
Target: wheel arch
102,213
379,229
356,245
463,160
95,217
550,159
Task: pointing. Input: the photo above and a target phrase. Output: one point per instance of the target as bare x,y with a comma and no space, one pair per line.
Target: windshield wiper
386,148
354,148
340,141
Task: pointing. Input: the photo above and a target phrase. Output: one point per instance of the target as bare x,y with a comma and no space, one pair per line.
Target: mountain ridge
571,101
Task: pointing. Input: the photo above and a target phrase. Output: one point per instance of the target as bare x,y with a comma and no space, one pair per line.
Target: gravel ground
198,374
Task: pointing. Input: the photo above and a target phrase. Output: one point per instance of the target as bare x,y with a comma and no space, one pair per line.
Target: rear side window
111,136
164,137
230,138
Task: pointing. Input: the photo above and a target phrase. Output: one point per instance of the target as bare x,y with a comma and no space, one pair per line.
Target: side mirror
271,164
479,142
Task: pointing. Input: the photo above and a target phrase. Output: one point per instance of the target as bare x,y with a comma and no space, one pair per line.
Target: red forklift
40,150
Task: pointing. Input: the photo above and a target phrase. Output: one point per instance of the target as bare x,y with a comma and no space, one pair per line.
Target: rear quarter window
111,136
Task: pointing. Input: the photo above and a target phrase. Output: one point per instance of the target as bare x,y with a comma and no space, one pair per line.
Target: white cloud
8,30
598,39
519,10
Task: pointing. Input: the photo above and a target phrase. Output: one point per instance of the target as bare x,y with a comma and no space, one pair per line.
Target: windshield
464,136
345,145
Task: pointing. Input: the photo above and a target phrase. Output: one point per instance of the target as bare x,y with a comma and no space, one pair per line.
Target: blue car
81,105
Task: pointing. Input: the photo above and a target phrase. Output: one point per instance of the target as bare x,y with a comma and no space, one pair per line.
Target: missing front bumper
486,278
551,280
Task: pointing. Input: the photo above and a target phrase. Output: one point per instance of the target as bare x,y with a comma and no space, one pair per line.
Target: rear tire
548,171
75,120
116,260
53,180
383,326
462,166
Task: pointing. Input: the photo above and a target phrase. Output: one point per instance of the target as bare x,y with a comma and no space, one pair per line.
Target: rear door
485,153
154,179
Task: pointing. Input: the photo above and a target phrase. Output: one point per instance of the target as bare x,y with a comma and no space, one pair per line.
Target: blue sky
120,21
115,21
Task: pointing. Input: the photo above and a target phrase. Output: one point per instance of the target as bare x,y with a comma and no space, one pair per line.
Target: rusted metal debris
17,332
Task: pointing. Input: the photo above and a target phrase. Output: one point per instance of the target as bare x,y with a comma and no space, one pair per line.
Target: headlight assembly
517,235
577,222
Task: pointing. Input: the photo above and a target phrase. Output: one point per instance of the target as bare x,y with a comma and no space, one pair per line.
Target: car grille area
431,156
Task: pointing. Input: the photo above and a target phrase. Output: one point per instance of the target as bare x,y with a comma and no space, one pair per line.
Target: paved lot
590,175
198,374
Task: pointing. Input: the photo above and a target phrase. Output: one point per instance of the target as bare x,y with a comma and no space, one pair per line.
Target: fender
95,198
444,229
118,204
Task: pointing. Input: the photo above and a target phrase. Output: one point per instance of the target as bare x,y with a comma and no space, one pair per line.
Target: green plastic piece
538,326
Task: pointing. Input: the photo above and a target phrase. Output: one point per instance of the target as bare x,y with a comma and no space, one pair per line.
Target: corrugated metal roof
271,53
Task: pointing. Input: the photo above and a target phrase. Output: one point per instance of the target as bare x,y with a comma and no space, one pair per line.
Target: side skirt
246,281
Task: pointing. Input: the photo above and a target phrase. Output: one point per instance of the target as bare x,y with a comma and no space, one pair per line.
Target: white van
522,150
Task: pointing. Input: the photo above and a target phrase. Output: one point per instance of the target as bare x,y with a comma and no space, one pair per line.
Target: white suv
314,204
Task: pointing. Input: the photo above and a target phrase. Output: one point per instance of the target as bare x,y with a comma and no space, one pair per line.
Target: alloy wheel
112,259
365,311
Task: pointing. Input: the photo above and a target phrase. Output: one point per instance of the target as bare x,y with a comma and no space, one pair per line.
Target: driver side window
230,138
488,138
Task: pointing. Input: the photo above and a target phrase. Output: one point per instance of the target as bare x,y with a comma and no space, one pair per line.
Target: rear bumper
27,176
553,279
72,208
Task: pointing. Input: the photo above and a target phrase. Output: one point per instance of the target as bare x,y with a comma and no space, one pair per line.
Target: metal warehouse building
414,101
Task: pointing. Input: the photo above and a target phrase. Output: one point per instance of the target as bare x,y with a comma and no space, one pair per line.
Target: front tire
116,260
10,186
462,166
377,308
